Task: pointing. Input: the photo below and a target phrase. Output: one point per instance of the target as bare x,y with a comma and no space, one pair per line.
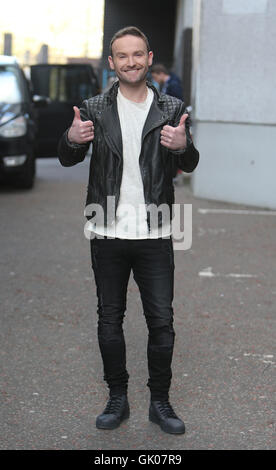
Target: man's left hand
174,138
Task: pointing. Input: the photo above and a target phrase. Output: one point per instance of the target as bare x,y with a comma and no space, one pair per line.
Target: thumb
183,119
77,113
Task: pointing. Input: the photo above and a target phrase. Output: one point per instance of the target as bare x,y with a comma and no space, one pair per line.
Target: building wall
234,101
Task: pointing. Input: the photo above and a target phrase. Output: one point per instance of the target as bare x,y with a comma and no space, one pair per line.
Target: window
64,83
10,91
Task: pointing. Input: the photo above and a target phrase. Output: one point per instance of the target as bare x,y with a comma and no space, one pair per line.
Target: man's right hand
80,131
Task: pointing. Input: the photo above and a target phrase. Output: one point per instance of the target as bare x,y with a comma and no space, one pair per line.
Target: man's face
130,60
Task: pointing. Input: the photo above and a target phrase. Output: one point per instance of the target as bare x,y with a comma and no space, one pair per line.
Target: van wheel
27,176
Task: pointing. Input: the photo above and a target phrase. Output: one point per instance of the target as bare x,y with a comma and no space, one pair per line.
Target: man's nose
130,61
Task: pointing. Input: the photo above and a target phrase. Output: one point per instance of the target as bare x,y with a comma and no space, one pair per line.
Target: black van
34,113
17,125
63,86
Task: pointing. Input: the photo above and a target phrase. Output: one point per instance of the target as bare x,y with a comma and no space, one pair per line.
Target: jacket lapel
156,117
110,123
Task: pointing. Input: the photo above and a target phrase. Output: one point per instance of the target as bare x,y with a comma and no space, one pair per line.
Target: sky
69,27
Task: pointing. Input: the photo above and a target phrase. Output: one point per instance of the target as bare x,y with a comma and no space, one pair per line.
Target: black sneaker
162,413
116,410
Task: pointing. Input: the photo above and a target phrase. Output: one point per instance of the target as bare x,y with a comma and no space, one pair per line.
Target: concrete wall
234,100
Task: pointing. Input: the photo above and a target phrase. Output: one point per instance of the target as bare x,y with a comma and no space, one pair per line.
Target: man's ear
110,60
150,58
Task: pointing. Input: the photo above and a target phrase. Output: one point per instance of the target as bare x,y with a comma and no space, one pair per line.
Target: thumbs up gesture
174,138
80,131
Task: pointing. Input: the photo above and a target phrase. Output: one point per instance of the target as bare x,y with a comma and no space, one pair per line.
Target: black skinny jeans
152,263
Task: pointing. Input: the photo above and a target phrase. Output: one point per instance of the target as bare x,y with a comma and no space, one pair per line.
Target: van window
75,84
10,91
52,91
66,83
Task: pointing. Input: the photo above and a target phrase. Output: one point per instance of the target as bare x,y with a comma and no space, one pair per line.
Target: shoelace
166,409
113,405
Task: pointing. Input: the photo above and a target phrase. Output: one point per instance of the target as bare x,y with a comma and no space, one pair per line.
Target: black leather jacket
157,163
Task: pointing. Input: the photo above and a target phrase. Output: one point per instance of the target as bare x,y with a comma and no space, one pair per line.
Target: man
169,82
136,135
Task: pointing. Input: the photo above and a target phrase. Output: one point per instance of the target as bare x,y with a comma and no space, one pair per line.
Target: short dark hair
159,68
133,31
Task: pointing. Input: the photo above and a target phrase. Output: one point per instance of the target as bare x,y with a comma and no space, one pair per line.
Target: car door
65,86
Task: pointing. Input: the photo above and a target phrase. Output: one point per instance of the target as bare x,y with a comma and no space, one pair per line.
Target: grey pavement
51,374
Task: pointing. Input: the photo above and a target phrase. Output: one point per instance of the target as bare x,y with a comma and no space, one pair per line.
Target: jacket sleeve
70,154
188,158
